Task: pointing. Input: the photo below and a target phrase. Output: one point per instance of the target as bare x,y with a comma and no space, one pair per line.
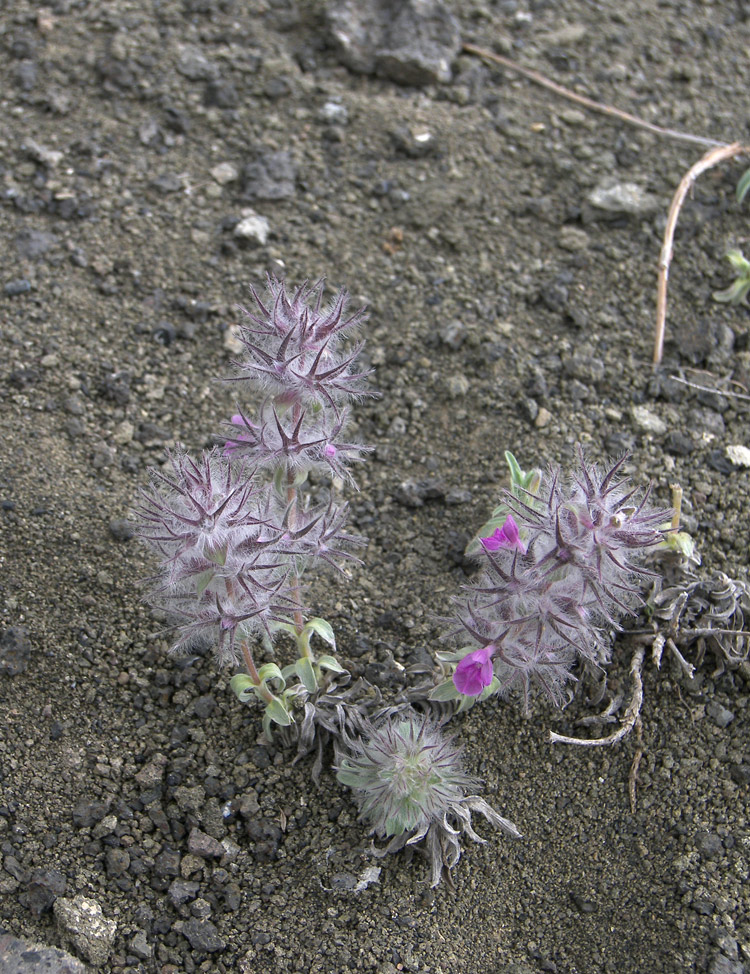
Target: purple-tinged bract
548,606
409,783
292,346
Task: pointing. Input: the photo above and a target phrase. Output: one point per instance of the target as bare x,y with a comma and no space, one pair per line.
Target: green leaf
683,544
330,663
270,671
517,476
445,691
278,713
743,186
734,294
349,777
445,656
218,555
284,627
267,727
279,482
323,629
304,670
242,686
289,670
203,581
738,262
468,702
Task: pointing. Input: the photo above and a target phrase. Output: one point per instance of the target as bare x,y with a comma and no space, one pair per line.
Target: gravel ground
156,159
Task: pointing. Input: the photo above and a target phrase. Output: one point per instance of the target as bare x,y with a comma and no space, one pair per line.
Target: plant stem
708,161
292,496
589,103
293,499
253,672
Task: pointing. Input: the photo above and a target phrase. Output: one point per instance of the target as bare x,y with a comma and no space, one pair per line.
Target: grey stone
86,814
204,845
81,923
167,863
719,715
614,197
193,64
452,333
17,286
43,889
412,43
121,528
182,891
710,845
23,957
204,706
15,649
140,946
679,444
202,935
647,421
33,244
252,228
723,965
152,773
221,94
270,177
117,861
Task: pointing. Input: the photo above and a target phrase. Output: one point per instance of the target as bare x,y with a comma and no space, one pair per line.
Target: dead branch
712,158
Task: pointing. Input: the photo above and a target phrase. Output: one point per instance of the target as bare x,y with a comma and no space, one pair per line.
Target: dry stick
718,152
595,106
709,160
633,776
629,717
700,388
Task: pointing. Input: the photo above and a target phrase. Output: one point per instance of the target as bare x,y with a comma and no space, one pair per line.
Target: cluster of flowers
564,566
234,530
236,533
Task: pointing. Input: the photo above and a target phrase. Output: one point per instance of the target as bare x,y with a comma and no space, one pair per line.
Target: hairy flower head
292,346
543,605
409,783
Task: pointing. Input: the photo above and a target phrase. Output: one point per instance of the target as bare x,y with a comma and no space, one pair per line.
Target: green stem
253,673
293,496
676,506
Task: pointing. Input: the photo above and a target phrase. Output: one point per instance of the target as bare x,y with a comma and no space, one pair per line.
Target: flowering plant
559,571
237,532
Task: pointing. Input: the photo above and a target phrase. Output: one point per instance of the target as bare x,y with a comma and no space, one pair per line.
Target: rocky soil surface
158,157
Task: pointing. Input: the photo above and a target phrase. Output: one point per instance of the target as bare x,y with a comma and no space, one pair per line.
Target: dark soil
506,312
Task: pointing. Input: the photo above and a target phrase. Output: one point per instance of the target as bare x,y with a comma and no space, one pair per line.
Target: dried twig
712,158
700,388
594,106
629,717
633,776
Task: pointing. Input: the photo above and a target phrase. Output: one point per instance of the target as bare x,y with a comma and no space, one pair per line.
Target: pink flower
231,445
474,672
505,537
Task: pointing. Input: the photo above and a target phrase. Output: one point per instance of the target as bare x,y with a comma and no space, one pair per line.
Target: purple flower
475,672
505,537
231,445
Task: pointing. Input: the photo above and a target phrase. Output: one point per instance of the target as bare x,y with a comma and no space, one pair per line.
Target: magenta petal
507,536
510,530
474,672
494,542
